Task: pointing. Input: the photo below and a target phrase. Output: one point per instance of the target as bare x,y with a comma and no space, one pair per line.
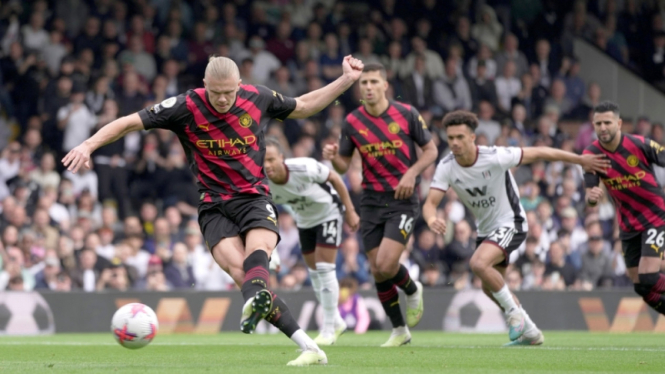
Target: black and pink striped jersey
387,143
225,150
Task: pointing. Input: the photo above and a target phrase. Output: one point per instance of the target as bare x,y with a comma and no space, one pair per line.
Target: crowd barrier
27,313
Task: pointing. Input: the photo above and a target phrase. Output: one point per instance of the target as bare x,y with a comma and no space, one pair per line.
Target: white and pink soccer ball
134,325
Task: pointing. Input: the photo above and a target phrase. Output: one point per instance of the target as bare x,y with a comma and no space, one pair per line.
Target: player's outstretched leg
228,253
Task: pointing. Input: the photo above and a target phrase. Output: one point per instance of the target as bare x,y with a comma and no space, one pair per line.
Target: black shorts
326,235
381,216
507,239
236,216
648,243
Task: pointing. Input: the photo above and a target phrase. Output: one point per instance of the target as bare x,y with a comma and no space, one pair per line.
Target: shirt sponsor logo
625,181
381,148
222,147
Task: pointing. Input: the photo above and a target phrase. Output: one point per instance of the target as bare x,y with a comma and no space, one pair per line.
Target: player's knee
478,265
642,289
387,268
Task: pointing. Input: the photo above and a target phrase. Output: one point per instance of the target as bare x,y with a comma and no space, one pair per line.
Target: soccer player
386,134
220,128
317,196
481,178
639,201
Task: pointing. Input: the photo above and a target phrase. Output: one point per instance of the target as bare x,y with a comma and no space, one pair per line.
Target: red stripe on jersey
207,198
234,122
634,149
254,112
203,167
383,127
358,125
250,88
238,180
650,217
401,121
370,177
623,215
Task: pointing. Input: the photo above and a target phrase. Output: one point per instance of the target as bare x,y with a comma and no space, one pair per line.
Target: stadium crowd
69,67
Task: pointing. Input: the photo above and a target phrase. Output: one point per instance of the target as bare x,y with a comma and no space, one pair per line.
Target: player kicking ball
386,134
221,129
638,199
482,179
317,196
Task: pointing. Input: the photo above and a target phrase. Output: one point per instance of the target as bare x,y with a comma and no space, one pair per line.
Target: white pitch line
547,348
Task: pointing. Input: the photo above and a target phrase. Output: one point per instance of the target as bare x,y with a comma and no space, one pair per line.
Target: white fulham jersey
487,187
312,199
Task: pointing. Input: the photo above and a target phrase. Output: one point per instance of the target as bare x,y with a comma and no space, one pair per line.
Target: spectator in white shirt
507,86
265,63
45,175
76,120
487,125
10,164
512,53
84,179
34,36
53,52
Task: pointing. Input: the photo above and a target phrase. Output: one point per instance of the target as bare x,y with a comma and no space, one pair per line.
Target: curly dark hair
461,117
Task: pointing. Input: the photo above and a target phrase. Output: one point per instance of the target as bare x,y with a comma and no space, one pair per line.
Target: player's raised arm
590,162
80,156
435,223
350,216
313,102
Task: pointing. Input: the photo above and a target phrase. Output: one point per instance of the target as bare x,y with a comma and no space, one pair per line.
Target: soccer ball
134,325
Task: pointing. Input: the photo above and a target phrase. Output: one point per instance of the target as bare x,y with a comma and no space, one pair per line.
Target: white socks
505,298
530,327
326,288
304,341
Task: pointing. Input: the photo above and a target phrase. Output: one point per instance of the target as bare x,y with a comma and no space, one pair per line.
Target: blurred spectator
87,277
417,87
512,53
352,306
178,271
350,263
559,273
484,58
508,86
433,62
45,175
265,63
597,270
487,29
451,92
486,123
460,250
75,120
46,279
33,35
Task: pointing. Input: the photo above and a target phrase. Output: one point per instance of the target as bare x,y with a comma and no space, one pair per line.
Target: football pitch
431,352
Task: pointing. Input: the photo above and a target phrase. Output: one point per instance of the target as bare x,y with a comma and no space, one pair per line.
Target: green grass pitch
431,352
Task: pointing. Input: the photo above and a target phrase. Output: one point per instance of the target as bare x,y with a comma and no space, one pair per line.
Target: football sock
505,298
403,280
389,298
303,340
256,274
651,288
316,282
529,325
329,295
280,317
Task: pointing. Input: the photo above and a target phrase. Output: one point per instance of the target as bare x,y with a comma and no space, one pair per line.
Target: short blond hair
222,67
